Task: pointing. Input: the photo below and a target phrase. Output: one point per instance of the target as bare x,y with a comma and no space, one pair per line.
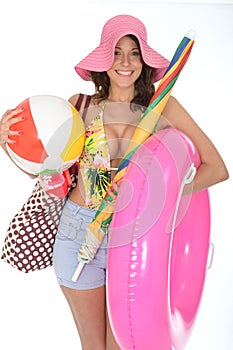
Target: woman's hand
10,117
112,193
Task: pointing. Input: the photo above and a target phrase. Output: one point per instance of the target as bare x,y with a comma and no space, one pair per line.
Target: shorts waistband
76,208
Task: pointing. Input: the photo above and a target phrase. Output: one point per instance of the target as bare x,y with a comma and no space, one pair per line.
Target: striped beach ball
52,135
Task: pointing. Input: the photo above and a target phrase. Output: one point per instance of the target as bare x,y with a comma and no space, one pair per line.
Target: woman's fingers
112,192
10,117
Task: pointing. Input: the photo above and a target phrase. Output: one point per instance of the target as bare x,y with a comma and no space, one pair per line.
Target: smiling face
127,65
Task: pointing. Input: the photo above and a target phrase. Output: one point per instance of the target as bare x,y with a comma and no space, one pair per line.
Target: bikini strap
104,104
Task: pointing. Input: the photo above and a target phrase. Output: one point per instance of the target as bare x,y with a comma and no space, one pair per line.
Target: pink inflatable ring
158,247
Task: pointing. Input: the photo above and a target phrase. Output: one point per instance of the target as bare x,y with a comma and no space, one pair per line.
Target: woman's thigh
89,313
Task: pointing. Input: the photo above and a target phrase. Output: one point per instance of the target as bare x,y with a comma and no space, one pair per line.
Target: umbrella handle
78,271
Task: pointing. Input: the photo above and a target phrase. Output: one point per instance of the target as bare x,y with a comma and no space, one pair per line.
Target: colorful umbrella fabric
99,226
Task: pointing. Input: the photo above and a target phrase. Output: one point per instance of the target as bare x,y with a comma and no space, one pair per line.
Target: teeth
124,73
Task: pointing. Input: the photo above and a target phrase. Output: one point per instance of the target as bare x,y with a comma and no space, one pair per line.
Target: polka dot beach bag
30,237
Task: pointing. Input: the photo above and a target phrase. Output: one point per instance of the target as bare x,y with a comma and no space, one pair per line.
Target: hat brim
102,57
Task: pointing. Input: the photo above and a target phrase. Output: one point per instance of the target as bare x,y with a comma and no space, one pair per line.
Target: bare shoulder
179,118
87,109
175,113
74,99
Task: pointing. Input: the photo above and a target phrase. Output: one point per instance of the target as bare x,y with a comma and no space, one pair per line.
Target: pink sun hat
102,57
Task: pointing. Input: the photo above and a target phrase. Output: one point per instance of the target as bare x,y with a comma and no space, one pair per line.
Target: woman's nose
125,60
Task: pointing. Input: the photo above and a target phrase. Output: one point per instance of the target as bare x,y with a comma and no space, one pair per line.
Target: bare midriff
76,194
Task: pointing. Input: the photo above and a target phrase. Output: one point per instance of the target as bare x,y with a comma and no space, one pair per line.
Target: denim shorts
70,235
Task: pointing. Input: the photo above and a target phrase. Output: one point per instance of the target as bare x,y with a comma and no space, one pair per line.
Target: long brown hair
144,87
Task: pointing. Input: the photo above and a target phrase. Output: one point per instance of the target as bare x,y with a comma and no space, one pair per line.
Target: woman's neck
122,95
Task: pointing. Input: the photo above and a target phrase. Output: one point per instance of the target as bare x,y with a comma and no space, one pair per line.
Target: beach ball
52,135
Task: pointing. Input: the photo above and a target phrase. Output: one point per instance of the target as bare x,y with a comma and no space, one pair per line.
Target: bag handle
86,105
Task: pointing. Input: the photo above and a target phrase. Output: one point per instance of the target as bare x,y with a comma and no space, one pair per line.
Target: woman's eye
135,53
132,53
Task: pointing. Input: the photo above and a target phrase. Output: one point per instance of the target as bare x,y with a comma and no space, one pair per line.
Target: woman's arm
212,169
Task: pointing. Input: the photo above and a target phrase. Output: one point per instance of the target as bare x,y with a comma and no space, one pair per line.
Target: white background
41,41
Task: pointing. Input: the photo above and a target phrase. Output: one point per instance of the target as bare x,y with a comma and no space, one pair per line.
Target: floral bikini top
94,163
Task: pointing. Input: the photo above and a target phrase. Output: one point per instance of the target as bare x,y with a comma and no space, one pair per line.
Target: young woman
123,69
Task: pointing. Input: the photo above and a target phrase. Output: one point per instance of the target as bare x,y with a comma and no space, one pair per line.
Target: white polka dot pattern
28,245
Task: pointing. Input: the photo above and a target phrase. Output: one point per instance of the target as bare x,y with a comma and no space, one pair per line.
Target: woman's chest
116,123
118,137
